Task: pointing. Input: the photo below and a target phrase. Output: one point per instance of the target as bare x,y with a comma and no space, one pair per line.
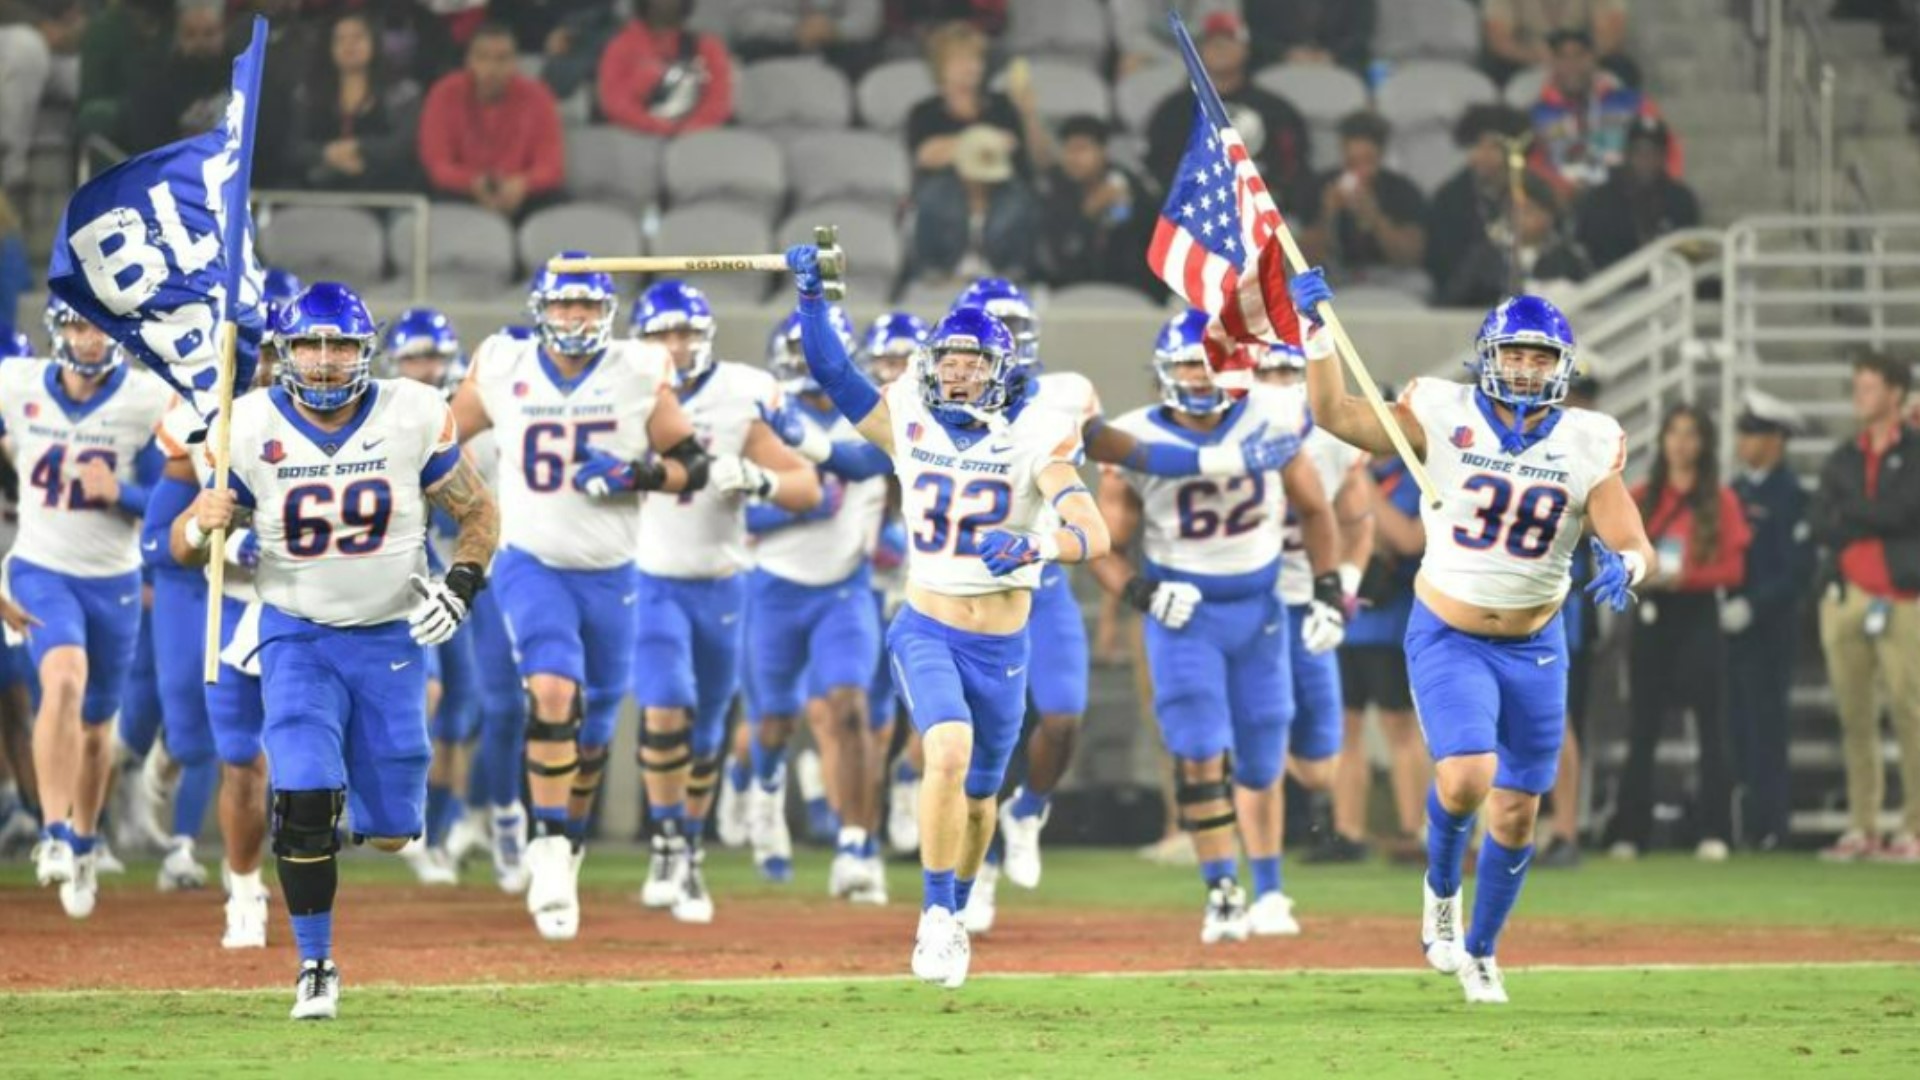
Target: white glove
1173,603
1736,614
1324,629
735,475
438,613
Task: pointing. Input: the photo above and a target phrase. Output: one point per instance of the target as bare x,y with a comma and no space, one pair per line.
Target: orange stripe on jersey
174,450
1069,448
449,431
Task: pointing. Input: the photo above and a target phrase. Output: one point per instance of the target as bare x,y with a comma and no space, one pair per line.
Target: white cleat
1272,916
941,951
1021,861
903,816
466,836
316,993
246,922
848,875
53,862
78,895
553,895
1226,917
510,848
730,817
104,860
692,903
145,806
178,870
768,834
874,892
1440,930
1480,978
662,887
981,909
430,865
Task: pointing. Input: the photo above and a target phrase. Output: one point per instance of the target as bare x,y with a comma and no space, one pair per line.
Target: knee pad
306,824
553,731
672,750
1189,793
706,770
586,781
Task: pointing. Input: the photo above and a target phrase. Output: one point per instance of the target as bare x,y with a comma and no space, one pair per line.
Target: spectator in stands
491,135
1312,32
354,127
958,55
15,276
1544,261
1762,619
121,41
1472,206
1274,131
1677,655
1140,28
414,39
659,78
1866,522
1099,215
1580,122
1639,203
843,32
977,217
1367,222
186,93
1516,33
37,41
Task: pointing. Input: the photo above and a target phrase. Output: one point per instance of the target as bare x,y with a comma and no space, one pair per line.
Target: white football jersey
177,434
703,534
952,491
543,425
1214,526
342,515
828,550
1334,461
52,438
1505,534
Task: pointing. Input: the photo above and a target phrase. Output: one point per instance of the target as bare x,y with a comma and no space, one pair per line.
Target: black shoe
1560,855
1340,849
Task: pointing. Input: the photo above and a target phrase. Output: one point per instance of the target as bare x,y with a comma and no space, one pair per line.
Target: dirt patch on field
410,935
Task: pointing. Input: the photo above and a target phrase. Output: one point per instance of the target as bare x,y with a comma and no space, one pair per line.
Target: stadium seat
719,228
1103,295
1061,90
469,250
611,164
874,245
337,243
1072,31
849,165
1427,30
1324,94
1428,94
889,92
596,228
797,92
726,163
1523,89
1139,94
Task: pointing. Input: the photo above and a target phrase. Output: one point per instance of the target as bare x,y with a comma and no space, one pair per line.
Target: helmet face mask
573,312
79,345
324,341
1524,354
967,365
1184,370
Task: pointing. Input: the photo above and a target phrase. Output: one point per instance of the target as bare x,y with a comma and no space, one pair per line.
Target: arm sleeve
443,452
763,518
169,500
1164,459
438,138
147,466
849,390
858,460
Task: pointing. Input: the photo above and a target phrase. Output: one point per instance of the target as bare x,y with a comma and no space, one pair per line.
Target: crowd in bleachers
947,138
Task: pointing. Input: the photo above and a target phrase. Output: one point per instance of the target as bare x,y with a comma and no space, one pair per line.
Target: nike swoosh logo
1544,661
151,545
128,599
1514,871
398,666
630,598
1013,671
1555,457
729,619
1271,629
371,443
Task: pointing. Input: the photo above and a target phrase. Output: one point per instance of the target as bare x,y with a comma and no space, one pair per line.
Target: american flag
1217,241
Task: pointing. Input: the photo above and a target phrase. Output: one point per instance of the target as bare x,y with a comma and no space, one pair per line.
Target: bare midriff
1002,612
1485,621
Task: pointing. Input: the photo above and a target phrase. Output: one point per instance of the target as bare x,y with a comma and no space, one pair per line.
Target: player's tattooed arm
193,531
465,498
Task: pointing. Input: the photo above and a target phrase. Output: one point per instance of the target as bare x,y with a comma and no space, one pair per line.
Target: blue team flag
158,250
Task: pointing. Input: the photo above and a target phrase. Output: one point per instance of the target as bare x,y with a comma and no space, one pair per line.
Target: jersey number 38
1529,529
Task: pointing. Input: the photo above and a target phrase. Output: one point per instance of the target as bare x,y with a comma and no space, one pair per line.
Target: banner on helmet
158,250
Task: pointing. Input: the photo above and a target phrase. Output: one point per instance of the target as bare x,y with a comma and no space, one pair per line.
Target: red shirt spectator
1670,527
491,134
1863,562
659,78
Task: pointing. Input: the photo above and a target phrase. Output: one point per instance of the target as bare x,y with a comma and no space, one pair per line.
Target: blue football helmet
786,359
16,345
673,305
585,337
1182,341
326,311
518,332
971,330
1530,321
896,334
422,333
278,287
59,314
1281,356
1013,307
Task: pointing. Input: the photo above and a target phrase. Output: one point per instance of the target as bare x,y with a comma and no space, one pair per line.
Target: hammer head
833,262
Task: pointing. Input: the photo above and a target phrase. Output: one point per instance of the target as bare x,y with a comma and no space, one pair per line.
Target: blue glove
785,423
1264,453
1610,579
804,261
891,551
1309,289
1005,552
602,474
249,553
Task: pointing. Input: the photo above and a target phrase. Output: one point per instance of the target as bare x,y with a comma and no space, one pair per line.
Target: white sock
852,837
240,884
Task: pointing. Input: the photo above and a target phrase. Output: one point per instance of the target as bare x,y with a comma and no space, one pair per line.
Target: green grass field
1843,1020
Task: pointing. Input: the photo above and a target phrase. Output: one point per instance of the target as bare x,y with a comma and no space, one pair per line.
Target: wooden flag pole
219,442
